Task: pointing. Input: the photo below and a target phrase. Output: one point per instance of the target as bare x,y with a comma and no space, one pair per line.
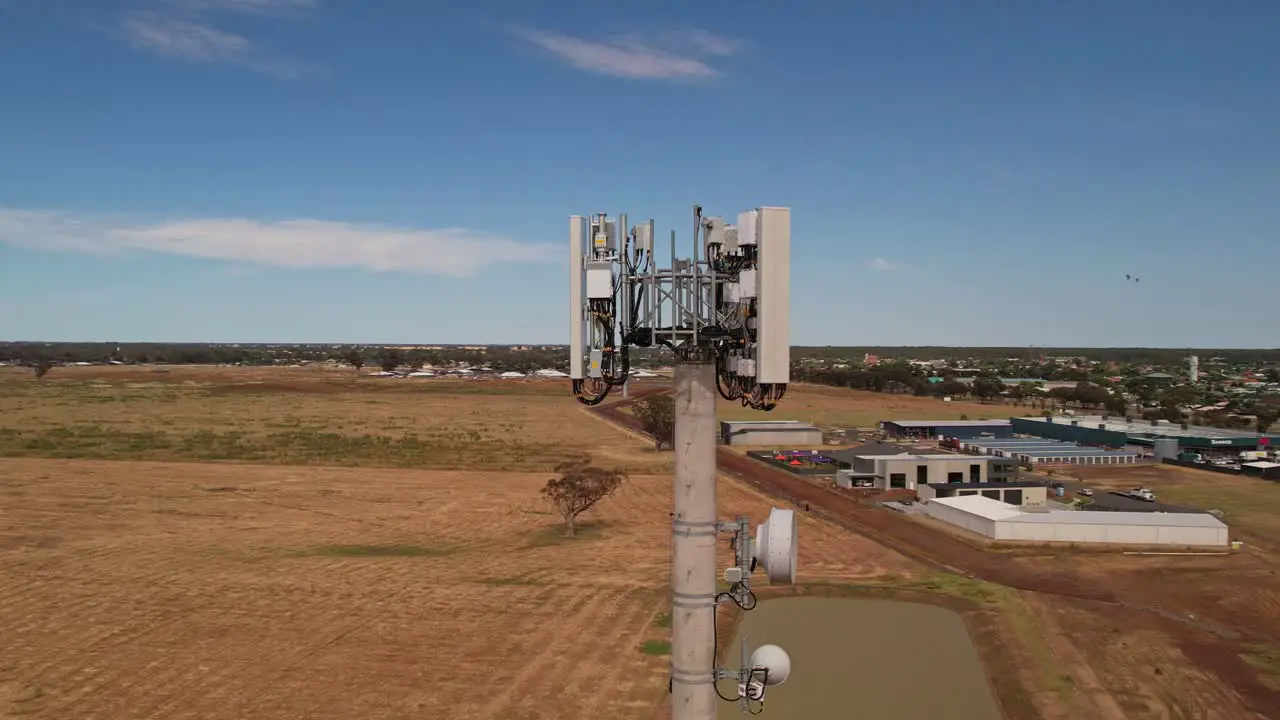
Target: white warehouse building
1001,521
773,433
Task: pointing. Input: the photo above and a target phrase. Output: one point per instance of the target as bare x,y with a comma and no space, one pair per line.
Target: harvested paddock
842,407
305,417
167,590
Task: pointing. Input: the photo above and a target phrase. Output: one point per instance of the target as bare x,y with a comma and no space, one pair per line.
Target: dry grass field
141,581
282,543
302,416
843,407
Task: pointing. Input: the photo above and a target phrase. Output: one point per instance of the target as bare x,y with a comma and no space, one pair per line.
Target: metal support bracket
693,600
694,528
685,677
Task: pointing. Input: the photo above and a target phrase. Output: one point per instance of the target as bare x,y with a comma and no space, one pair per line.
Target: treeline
906,378
1132,356
500,358
1134,396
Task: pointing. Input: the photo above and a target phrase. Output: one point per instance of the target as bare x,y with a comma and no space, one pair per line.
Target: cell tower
725,314
1193,369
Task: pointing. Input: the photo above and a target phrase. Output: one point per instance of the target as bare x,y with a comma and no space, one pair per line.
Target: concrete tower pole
693,562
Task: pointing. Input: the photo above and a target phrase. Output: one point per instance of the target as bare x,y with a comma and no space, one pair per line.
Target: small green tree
41,367
578,487
1116,404
390,359
355,358
1266,417
657,414
986,388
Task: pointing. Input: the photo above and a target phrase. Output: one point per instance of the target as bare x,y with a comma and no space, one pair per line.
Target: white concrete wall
973,523
1068,532
1120,534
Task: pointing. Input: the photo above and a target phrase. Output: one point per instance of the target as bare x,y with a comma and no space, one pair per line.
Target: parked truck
1140,494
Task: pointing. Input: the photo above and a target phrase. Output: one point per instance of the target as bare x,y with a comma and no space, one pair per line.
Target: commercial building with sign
950,428
908,472
1108,431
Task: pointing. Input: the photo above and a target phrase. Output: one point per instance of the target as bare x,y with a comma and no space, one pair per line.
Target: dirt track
1171,598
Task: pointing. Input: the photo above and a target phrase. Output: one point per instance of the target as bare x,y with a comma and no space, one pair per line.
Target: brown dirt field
1214,619
169,590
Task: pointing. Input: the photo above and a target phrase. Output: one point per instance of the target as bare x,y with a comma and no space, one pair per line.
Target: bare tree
579,486
657,413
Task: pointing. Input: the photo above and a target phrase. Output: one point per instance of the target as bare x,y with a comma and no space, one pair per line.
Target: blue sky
979,173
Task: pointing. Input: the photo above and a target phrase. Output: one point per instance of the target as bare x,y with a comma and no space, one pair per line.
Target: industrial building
1035,451
1012,493
1117,432
778,433
908,472
1002,521
922,429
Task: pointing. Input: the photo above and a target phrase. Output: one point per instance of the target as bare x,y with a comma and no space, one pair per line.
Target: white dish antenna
773,662
776,546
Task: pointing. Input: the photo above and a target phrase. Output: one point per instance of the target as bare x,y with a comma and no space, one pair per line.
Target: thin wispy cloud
294,244
882,265
185,30
185,40
679,54
258,7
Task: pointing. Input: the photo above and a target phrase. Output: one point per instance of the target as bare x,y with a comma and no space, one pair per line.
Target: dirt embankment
1172,599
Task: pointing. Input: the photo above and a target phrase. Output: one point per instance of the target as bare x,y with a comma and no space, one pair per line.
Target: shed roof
948,423
1144,428
980,506
847,455
1015,484
1074,452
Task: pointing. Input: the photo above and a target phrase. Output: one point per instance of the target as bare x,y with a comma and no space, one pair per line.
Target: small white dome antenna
768,666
